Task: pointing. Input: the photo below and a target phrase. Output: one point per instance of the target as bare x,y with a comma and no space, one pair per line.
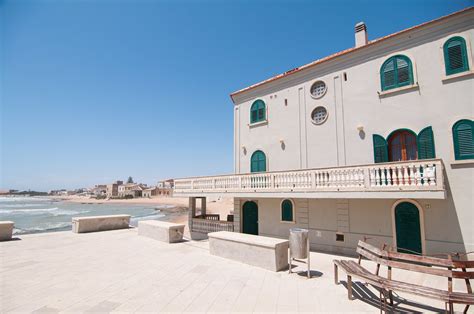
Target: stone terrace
119,271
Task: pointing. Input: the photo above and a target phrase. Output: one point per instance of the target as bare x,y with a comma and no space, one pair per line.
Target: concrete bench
264,252
161,230
100,223
6,230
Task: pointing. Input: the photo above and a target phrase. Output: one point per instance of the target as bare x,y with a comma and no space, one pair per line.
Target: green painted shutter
463,137
258,162
388,74
257,111
287,210
397,71
408,229
425,143
380,149
455,55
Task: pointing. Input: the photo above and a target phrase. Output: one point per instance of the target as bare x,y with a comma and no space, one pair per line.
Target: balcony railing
206,226
420,175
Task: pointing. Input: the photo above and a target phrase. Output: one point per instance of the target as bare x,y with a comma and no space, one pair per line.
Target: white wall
372,218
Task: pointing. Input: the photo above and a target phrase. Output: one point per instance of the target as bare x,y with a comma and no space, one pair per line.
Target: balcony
412,179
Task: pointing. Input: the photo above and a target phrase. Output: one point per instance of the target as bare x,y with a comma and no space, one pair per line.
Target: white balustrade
413,175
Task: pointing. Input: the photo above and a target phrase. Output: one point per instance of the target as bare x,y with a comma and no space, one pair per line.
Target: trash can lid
298,230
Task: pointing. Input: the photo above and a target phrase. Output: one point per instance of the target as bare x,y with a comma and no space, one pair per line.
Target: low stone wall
264,252
160,230
100,223
6,230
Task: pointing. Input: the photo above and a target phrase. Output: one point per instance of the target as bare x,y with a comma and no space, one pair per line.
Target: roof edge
344,52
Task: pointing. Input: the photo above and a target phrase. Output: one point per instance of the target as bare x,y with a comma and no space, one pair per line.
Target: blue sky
94,91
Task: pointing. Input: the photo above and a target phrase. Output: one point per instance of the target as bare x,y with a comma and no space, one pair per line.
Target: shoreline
174,209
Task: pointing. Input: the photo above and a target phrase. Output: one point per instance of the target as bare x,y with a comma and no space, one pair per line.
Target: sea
42,214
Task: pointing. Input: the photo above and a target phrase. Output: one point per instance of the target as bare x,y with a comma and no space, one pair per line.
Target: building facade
112,189
374,141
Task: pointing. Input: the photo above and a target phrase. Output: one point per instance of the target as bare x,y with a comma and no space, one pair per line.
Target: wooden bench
448,268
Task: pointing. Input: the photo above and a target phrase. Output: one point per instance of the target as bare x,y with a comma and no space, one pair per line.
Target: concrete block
265,252
6,230
161,230
100,223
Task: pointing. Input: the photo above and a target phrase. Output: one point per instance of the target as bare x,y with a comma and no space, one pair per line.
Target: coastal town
115,190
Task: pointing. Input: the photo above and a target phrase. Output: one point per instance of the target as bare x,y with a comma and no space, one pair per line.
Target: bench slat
405,266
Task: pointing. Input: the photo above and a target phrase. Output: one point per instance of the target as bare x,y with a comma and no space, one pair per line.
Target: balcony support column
192,212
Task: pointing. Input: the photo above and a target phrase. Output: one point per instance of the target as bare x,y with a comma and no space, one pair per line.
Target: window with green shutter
286,210
425,143
258,162
380,149
396,72
455,55
463,138
257,111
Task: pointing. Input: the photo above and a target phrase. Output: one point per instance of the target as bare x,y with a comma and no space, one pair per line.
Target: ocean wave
148,216
55,211
43,228
23,199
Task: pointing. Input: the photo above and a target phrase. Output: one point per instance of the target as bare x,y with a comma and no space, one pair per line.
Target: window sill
394,91
287,222
255,124
462,162
448,78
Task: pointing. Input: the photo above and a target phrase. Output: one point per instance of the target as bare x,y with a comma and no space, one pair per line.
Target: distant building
112,189
99,190
133,189
150,192
165,187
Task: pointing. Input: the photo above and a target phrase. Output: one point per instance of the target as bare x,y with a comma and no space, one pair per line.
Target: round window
319,115
318,89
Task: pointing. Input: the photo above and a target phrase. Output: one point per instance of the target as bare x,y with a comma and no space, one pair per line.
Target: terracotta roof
344,52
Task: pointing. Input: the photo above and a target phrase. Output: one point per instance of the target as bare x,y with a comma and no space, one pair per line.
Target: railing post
213,184
366,178
272,181
439,174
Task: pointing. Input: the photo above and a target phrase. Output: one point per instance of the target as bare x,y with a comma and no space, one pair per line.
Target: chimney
360,34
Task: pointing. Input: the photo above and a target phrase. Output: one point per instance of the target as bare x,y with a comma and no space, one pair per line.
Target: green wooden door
250,218
407,224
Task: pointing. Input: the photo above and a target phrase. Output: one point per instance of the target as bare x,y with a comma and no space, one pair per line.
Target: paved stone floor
119,271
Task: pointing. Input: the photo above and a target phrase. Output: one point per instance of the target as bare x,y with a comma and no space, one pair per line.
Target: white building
374,141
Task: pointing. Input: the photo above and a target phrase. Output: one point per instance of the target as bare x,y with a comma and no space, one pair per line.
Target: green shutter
286,210
463,138
257,111
425,143
380,149
455,55
258,162
396,72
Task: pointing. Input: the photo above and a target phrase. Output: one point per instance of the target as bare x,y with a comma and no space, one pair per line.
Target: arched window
396,72
258,162
463,138
257,111
455,55
286,210
402,146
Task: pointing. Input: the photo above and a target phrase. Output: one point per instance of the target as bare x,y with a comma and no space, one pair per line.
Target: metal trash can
299,247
